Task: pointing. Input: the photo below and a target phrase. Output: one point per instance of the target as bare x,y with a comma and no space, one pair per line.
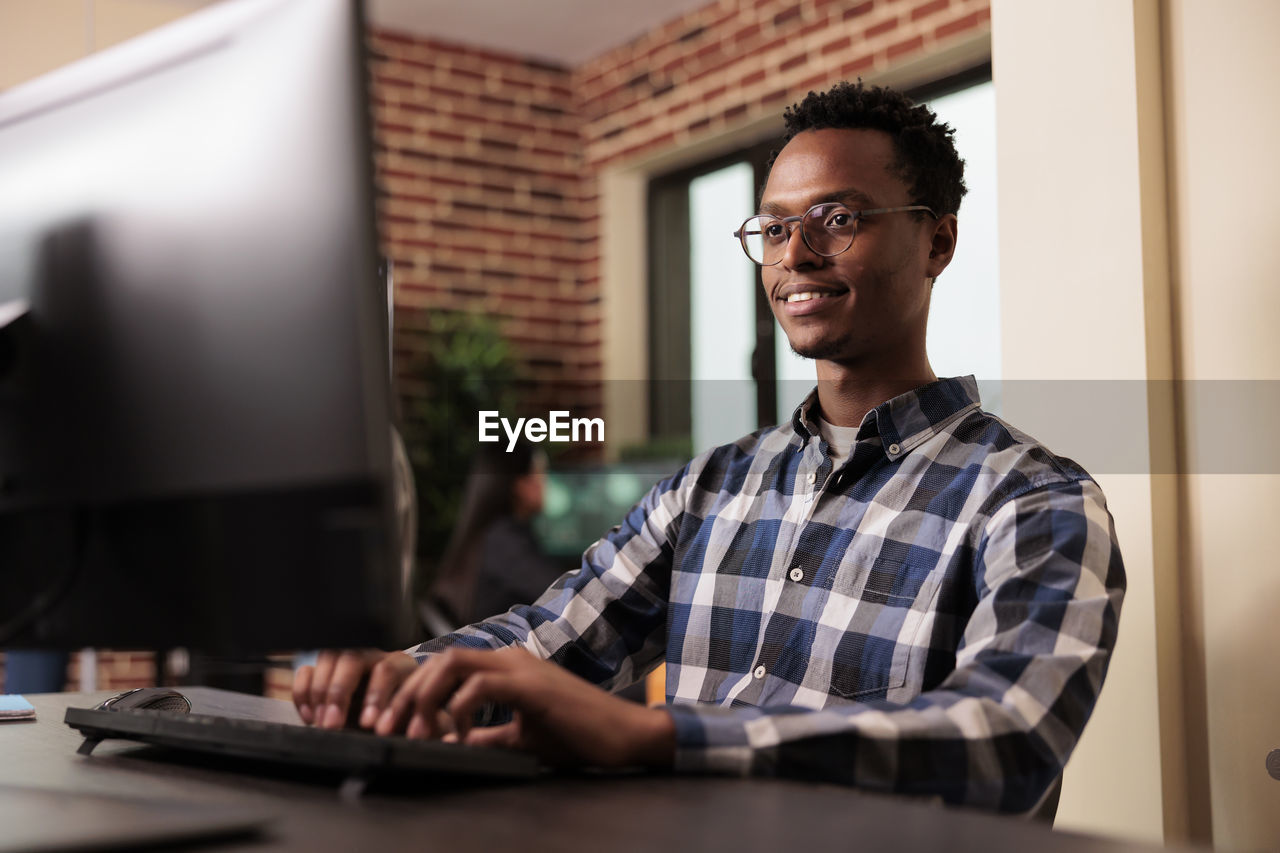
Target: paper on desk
14,707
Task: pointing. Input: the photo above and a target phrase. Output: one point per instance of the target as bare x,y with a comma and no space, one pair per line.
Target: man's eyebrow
852,197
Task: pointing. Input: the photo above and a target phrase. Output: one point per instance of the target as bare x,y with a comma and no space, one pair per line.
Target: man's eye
775,231
840,220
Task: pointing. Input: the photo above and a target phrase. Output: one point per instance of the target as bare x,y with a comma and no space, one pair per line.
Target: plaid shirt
935,617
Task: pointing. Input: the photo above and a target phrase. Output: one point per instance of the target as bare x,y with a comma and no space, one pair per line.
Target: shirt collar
905,421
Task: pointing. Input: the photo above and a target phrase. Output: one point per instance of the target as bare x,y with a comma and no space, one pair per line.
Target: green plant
464,366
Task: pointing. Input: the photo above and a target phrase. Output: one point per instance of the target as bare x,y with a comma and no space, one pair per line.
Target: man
894,590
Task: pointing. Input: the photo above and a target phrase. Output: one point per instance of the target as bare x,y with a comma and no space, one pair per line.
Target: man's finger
505,736
387,675
343,683
319,687
437,686
395,715
417,705
302,692
476,691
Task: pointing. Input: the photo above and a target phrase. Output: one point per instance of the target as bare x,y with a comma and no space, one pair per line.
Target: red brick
773,97
435,90
708,52
817,81
794,62
857,11
904,47
927,9
508,81
786,15
882,28
810,29
968,22
761,49
445,136
850,69
421,109
414,63
839,44
663,140
710,69
747,32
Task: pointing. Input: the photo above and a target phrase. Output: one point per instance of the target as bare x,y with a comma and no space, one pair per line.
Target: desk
557,813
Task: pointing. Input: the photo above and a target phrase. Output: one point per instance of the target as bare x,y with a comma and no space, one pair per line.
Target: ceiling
565,32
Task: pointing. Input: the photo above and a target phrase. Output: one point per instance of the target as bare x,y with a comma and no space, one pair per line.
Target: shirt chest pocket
878,605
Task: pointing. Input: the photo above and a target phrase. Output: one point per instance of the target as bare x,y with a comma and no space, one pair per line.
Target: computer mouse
148,699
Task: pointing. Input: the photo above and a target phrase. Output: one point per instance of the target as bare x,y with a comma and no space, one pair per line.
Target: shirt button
812,476
797,575
759,673
893,449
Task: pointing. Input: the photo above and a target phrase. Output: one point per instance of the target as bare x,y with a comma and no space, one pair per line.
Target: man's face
870,304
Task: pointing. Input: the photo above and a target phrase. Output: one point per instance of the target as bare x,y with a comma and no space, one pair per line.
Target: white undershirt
839,439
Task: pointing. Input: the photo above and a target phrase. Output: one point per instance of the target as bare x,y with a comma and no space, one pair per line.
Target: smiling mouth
808,295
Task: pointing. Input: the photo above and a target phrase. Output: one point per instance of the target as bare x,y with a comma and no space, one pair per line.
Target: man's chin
820,350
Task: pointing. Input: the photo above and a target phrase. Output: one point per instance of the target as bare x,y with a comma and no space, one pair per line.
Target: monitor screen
581,503
194,382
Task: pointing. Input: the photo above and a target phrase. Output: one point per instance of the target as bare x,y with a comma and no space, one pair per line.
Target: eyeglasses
827,229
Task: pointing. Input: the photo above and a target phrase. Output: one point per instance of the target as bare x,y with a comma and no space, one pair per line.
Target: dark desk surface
559,813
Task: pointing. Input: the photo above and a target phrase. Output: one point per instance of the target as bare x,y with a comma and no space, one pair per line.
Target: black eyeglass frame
799,221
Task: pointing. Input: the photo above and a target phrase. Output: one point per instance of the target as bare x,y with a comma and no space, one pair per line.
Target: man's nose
798,252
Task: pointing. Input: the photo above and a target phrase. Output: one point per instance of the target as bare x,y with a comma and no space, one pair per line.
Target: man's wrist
655,746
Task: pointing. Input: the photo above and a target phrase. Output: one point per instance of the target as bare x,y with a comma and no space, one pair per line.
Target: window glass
964,314
722,297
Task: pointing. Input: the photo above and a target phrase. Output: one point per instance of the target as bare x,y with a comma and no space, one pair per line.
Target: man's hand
323,693
556,715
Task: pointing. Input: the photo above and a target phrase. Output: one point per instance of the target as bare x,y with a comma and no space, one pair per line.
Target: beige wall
37,37
1137,209
1221,74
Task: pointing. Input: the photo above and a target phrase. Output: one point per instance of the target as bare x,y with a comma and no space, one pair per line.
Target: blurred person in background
493,560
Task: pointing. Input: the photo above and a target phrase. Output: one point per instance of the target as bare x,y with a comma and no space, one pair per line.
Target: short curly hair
927,161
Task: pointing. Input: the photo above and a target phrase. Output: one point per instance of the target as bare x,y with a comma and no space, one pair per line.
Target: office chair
1047,809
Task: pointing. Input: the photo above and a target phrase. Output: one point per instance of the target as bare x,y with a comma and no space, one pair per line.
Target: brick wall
733,62
117,670
480,158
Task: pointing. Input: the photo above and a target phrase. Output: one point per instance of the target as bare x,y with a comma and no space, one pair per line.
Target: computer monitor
194,382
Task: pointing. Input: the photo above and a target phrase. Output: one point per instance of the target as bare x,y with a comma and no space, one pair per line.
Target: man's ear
942,245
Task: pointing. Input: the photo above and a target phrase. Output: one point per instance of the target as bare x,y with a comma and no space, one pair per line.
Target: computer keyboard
359,754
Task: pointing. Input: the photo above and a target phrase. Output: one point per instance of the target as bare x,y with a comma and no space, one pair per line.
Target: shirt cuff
714,739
